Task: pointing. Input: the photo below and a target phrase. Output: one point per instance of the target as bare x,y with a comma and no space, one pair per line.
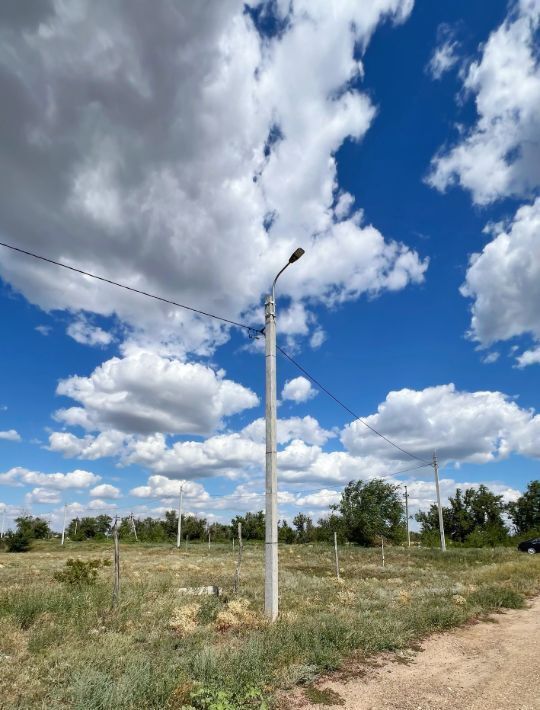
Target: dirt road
485,666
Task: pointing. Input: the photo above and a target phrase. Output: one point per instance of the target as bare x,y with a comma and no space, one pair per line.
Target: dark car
530,546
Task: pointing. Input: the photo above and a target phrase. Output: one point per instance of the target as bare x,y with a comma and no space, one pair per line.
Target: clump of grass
323,696
237,615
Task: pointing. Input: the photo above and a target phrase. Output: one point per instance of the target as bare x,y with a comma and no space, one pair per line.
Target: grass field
63,646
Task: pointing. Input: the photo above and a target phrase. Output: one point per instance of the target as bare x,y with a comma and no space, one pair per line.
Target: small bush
80,572
17,542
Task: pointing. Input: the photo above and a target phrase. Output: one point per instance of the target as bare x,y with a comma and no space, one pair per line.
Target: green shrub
80,572
17,542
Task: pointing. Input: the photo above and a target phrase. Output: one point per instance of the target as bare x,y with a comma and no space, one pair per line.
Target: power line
347,409
229,321
130,288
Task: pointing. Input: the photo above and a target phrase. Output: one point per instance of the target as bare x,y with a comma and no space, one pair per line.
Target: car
530,546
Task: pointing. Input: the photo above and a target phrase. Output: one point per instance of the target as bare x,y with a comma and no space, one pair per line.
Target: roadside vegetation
63,645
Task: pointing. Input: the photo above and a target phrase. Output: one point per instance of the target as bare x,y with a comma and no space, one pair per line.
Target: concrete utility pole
336,554
64,525
3,523
407,516
179,530
441,521
271,520
133,527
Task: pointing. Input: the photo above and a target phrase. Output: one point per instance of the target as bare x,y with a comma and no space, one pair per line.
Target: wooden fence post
239,561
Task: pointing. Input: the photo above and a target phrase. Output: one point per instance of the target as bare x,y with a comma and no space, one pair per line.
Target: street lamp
271,521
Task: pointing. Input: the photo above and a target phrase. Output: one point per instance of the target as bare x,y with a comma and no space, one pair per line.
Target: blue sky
391,144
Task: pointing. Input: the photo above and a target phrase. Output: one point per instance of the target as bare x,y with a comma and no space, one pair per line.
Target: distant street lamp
271,530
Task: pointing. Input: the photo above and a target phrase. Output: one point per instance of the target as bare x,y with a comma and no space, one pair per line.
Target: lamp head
296,255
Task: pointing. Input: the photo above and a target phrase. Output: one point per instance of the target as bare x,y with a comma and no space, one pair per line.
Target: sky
187,150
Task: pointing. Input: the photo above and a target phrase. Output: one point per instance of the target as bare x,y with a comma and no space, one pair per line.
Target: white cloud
10,435
529,357
490,358
107,443
306,428
87,334
504,281
19,476
320,499
146,393
43,329
298,390
101,505
105,490
44,496
445,55
317,339
500,155
476,427
159,167
163,487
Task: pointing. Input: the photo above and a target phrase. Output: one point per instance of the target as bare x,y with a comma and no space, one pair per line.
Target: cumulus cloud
298,390
445,55
10,435
105,490
106,443
475,427
87,334
43,496
19,476
99,504
500,155
163,487
177,171
145,393
504,282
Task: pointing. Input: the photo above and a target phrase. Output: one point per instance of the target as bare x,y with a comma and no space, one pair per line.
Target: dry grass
64,647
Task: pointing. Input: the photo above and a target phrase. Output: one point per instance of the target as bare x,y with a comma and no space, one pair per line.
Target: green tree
34,528
372,509
17,541
89,528
525,511
285,533
305,531
474,517
327,526
253,525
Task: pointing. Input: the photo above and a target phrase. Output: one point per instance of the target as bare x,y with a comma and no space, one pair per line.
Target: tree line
366,512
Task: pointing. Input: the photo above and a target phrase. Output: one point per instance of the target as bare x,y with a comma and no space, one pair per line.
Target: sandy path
486,666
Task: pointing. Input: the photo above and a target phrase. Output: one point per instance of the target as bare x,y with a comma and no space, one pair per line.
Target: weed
323,696
80,572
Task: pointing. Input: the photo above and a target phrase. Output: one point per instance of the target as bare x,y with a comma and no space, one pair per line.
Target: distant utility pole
116,588
64,525
133,526
407,516
441,521
179,530
271,519
3,523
